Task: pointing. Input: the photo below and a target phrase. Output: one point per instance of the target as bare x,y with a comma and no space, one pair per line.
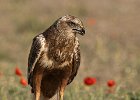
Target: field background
110,48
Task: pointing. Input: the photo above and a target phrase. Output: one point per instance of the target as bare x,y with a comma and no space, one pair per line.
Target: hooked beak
80,31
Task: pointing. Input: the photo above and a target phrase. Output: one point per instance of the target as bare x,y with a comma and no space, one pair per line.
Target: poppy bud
111,83
23,82
18,71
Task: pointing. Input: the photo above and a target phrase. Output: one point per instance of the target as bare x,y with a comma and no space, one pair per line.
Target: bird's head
70,24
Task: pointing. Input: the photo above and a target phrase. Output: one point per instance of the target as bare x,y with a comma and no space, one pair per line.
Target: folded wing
76,62
35,52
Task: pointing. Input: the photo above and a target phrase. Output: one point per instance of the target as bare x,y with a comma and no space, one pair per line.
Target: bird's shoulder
39,38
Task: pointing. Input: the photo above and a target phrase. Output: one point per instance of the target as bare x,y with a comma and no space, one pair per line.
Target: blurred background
109,50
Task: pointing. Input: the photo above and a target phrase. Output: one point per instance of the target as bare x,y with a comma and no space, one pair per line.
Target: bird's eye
71,24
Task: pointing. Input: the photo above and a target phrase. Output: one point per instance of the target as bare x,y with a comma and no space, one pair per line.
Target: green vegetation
110,48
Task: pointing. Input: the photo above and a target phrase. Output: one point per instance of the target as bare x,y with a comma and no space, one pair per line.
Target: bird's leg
61,94
37,85
62,88
37,95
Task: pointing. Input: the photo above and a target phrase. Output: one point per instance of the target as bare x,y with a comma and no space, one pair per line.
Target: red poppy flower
23,82
111,83
89,81
18,71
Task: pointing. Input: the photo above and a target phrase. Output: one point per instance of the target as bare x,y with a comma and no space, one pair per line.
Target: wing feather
36,49
76,61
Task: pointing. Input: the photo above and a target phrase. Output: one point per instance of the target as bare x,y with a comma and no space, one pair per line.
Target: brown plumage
54,57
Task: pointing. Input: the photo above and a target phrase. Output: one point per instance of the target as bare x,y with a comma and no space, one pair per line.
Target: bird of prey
54,57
